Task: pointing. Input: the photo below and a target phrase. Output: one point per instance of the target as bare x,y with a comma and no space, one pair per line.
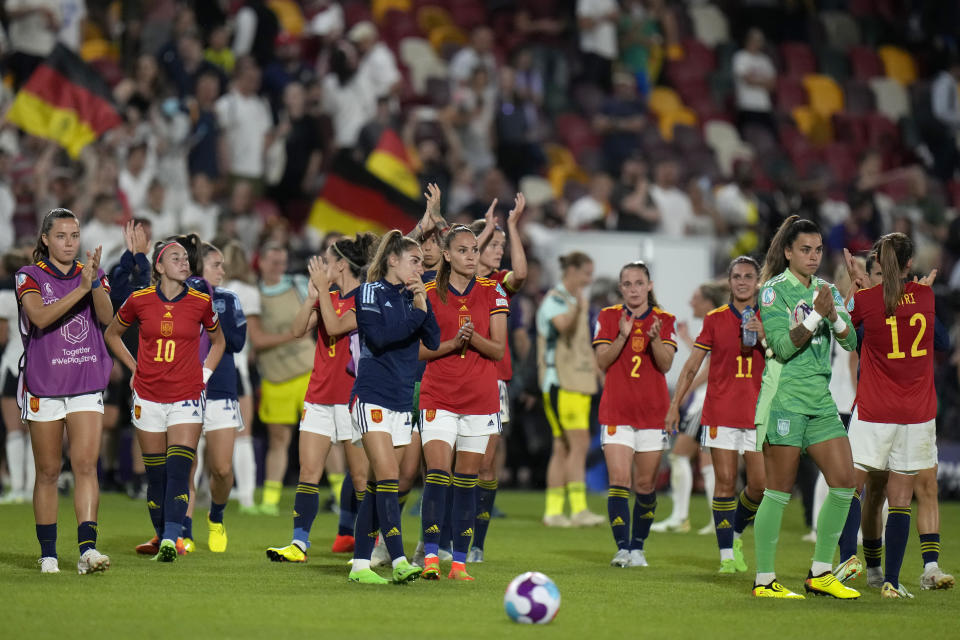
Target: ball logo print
532,598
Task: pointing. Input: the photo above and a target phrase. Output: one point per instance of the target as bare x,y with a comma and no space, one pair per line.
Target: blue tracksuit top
390,330
223,382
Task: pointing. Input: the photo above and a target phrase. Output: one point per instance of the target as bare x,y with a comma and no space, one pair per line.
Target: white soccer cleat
672,526
637,559
586,518
875,578
621,559
49,565
810,536
558,520
92,561
707,530
935,578
418,555
380,556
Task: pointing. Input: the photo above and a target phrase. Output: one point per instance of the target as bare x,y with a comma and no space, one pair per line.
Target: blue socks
897,532
848,537
643,510
306,504
486,494
216,512
746,512
87,536
929,547
388,510
464,513
724,515
365,532
47,537
187,528
177,496
348,507
436,488
156,467
618,510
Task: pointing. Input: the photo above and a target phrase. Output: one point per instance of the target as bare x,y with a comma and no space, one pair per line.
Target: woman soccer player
887,433
393,317
568,382
168,383
795,411
728,409
491,253
635,345
65,369
459,398
326,414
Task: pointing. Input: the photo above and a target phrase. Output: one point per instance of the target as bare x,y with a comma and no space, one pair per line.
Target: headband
349,261
164,248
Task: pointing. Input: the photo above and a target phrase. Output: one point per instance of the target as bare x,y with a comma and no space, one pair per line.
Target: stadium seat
823,94
444,35
664,100
588,99
790,94
761,140
723,138
804,160
709,25
431,16
687,138
558,155
842,161
834,64
881,132
797,59
98,49
354,12
814,125
841,30
850,129
898,64
865,63
468,14
576,133
858,97
380,8
536,189
891,97
693,91
397,26
670,119
698,54
423,62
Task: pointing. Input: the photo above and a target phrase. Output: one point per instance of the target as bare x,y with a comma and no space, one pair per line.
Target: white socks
820,568
681,485
709,480
765,578
244,470
20,462
726,554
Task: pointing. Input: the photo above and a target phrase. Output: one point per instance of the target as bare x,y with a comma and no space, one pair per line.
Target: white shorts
469,433
368,417
223,413
640,440
36,409
504,402
729,438
157,416
903,448
331,420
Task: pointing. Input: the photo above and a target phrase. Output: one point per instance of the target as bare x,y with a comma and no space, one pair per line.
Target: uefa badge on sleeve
783,427
767,296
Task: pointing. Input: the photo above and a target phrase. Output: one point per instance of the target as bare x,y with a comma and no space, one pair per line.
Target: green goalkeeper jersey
798,377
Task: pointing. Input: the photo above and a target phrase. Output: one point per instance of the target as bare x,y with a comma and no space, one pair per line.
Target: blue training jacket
390,330
223,383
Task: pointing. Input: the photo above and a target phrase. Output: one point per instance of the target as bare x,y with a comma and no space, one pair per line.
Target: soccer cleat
587,518
182,547
621,559
249,509
849,570
366,576
150,547
167,552
459,572
289,553
431,568
217,540
405,572
890,592
475,555
380,556
557,520
828,585
775,590
935,578
269,509
49,565
343,544
637,559
738,560
189,546
810,536
728,566
418,555
875,578
707,529
671,526
92,561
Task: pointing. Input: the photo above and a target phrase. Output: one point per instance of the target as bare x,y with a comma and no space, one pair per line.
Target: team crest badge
611,429
376,415
431,414
166,328
783,427
136,411
637,343
767,296
34,404
713,433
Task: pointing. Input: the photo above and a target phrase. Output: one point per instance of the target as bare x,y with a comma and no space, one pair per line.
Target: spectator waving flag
66,101
353,199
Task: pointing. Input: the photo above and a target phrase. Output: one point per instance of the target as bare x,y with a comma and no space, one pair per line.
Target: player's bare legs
279,437
556,483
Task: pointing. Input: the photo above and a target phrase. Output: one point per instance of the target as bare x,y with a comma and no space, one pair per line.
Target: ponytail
356,252
192,243
443,271
393,243
42,251
776,261
894,251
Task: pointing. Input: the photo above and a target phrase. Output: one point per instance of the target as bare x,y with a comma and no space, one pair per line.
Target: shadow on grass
18,560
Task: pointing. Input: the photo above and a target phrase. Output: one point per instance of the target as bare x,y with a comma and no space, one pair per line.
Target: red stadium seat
842,161
850,129
576,133
865,63
881,132
858,97
699,54
797,59
357,11
468,14
790,94
804,160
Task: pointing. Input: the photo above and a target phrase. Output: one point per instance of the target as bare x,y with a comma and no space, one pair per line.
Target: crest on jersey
464,319
611,429
637,343
166,328
431,414
376,415
136,411
767,296
783,426
34,404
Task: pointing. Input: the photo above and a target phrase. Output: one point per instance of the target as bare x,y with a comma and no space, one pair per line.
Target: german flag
389,162
353,200
66,101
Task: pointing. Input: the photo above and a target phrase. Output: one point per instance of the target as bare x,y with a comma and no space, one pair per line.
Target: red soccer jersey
168,362
505,366
733,383
896,356
634,391
464,383
330,383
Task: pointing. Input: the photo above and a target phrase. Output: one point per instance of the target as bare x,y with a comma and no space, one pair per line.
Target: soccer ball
532,598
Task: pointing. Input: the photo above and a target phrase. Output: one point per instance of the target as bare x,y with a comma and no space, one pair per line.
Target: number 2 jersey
330,383
733,382
635,391
896,358
168,365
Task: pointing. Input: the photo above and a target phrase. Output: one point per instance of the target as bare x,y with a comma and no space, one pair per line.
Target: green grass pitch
241,594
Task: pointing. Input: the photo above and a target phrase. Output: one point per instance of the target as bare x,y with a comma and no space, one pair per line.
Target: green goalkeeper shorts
800,430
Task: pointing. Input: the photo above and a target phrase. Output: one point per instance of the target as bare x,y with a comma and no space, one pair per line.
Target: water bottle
749,337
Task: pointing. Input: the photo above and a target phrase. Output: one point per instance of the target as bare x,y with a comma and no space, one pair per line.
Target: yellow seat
898,64
663,100
669,120
816,127
379,8
288,15
444,34
98,49
430,17
559,156
824,95
559,175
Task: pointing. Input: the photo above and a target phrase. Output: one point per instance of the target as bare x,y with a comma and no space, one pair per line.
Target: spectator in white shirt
164,221
754,78
32,27
676,210
103,229
377,66
329,20
201,215
479,52
348,98
940,133
597,21
137,174
591,210
245,122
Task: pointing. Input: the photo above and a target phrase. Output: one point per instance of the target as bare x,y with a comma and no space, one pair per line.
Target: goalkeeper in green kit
795,411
